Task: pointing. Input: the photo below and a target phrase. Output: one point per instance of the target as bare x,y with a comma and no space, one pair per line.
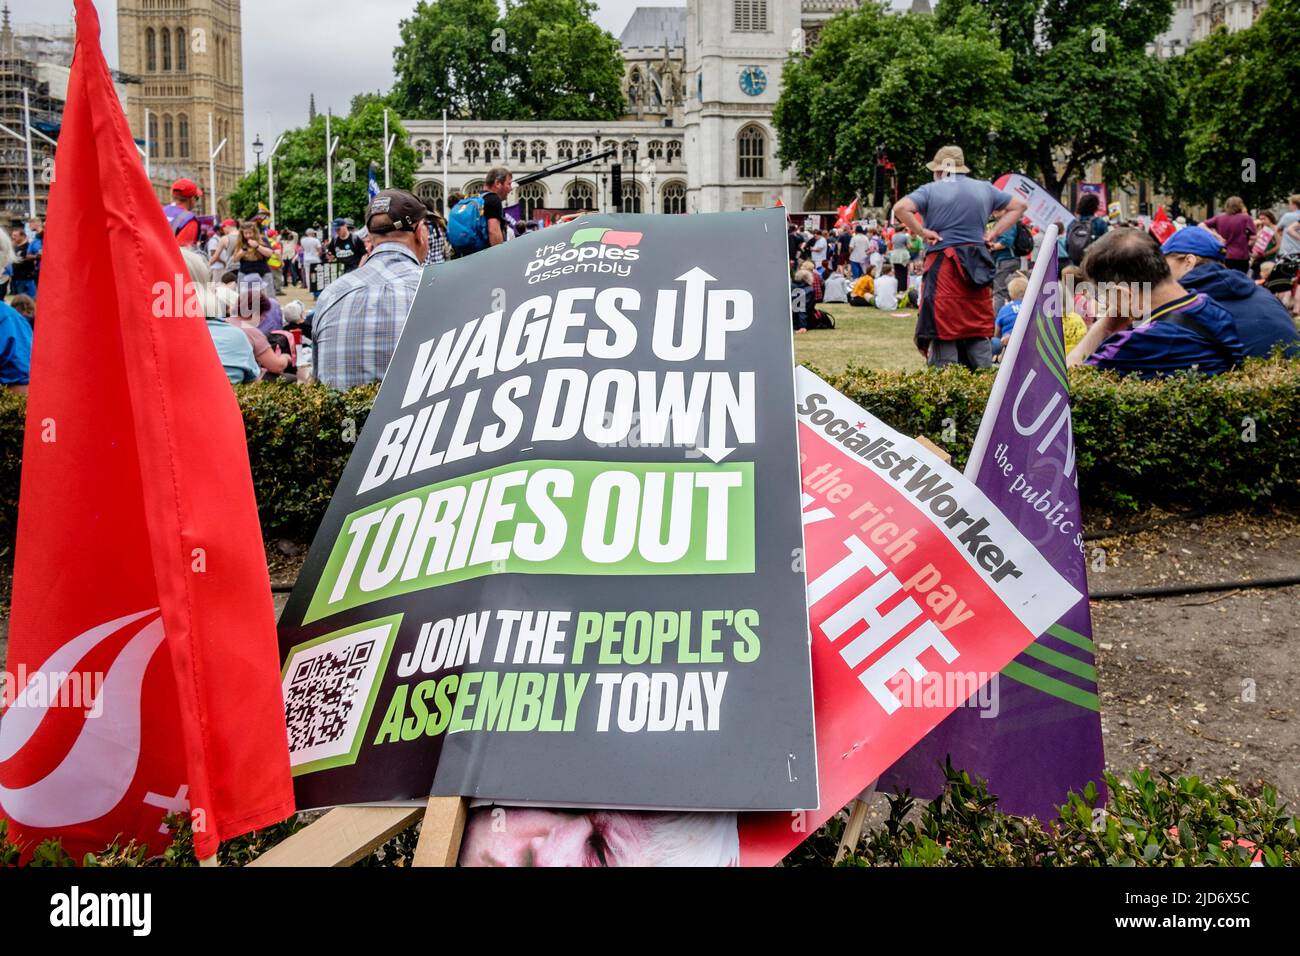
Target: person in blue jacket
1195,258
1149,325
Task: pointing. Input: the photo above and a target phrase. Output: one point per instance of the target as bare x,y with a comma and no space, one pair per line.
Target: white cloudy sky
292,48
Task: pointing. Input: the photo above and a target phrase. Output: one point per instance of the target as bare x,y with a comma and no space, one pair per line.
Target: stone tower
735,51
187,58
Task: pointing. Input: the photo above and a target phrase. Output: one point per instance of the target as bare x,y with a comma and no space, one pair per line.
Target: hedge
1185,441
1146,821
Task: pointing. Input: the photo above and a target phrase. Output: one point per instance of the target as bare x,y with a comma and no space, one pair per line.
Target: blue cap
1193,241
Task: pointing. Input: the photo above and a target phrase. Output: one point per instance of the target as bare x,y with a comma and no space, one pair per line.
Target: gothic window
579,195
181,51
655,149
584,148
165,41
749,16
674,151
631,196
424,148
674,197
473,188
564,149
518,151
471,152
169,141
531,196
751,152
492,151
183,135
537,150
429,192
629,151
153,135
150,50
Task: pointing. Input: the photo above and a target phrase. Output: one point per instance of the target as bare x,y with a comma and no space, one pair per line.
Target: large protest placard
919,590
1042,208
562,564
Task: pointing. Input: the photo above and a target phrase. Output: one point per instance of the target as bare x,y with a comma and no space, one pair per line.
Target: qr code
327,691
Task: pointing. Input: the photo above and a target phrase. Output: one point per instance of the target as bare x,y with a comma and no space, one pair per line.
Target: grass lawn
862,336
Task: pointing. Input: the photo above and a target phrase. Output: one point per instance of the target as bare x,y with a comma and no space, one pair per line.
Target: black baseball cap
401,207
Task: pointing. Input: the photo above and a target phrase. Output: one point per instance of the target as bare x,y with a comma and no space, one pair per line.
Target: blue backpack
467,230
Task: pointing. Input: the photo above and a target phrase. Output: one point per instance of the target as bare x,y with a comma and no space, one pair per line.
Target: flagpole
213,153
331,143
31,170
270,178
148,171
1047,252
388,149
446,156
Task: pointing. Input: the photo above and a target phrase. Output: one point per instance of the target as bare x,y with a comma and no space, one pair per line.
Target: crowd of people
955,254
20,269
1140,298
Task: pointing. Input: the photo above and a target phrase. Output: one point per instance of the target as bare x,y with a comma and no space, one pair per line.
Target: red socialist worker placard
919,593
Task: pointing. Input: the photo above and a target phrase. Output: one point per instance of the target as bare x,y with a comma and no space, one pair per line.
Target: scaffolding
19,75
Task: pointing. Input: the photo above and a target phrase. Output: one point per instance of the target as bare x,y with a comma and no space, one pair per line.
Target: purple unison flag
1045,739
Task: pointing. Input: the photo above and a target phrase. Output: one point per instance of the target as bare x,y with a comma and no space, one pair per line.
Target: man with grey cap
359,316
956,318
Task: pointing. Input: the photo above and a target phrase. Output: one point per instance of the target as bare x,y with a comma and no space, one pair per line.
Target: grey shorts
973,353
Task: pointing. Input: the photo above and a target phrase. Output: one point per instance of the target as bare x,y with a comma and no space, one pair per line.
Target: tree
1085,85
898,81
300,193
542,59
1239,100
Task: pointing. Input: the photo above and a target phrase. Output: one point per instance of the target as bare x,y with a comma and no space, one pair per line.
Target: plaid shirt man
437,246
359,317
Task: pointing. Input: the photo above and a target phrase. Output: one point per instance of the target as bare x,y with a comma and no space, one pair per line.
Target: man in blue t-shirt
1151,325
951,214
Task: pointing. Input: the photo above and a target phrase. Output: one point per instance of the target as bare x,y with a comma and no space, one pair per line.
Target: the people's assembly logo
594,250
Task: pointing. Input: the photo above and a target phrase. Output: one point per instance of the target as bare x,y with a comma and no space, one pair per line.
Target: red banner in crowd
143,676
920,591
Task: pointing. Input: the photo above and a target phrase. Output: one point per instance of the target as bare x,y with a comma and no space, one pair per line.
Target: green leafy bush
1148,820
1192,442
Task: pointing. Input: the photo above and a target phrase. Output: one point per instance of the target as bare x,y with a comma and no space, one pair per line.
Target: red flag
846,214
1161,227
142,651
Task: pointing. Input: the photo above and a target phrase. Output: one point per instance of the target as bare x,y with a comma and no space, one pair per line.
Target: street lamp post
258,146
270,178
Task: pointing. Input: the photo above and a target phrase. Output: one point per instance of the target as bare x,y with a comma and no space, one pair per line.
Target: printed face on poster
562,563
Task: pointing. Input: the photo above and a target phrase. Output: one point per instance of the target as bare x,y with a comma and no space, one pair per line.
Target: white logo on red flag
109,742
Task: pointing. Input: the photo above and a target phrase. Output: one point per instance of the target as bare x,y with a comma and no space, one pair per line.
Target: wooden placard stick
341,837
441,832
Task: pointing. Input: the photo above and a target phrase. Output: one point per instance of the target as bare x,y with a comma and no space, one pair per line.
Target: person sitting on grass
1187,330
837,286
814,279
863,292
886,292
802,304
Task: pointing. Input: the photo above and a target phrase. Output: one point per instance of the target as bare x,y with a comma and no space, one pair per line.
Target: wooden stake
341,837
857,821
440,835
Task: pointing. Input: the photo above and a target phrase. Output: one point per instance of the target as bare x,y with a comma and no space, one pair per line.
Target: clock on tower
753,80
